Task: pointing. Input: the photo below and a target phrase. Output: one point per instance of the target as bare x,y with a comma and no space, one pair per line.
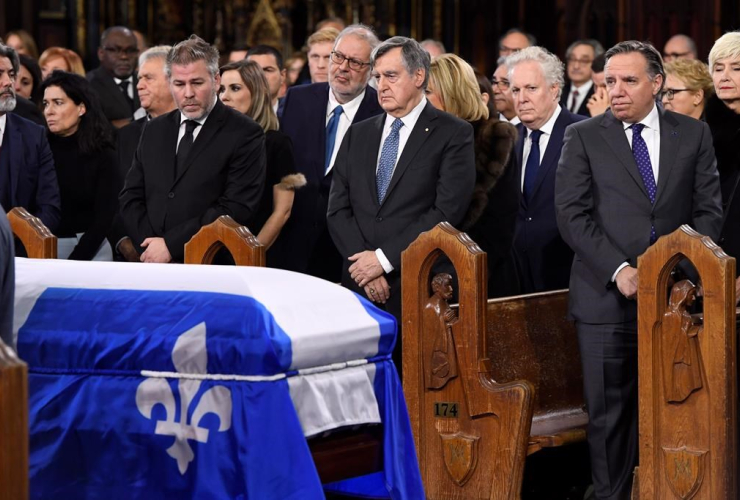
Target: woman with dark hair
28,80
244,88
81,141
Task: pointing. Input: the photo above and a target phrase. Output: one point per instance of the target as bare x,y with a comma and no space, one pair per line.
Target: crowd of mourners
337,157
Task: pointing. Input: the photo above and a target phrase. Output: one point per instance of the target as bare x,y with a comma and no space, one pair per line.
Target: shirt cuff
387,267
622,266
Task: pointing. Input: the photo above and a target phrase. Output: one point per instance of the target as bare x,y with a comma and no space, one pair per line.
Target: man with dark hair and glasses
316,117
580,86
502,99
114,81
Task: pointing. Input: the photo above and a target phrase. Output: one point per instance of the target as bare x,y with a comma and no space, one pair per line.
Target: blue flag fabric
185,394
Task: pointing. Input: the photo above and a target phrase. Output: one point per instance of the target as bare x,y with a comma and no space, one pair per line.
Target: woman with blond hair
62,59
244,88
491,217
688,87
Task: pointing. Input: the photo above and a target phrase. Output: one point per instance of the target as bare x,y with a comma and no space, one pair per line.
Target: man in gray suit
624,179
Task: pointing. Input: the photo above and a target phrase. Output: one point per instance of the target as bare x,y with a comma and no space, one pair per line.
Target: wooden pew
510,386
225,232
35,236
687,374
13,426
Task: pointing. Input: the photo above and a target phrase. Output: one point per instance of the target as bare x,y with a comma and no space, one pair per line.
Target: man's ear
419,75
101,52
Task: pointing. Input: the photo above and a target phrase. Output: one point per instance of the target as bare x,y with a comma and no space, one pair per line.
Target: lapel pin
426,130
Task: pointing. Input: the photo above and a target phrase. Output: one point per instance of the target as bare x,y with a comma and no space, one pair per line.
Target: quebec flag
176,382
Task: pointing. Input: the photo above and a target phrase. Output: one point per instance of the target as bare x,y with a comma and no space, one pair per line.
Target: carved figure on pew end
438,318
678,336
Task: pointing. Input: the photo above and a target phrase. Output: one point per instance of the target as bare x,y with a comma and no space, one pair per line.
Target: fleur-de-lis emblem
190,357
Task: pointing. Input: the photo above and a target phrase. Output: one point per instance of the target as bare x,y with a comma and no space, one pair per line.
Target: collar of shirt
409,121
513,121
651,121
651,136
3,122
546,129
130,81
197,130
583,89
349,109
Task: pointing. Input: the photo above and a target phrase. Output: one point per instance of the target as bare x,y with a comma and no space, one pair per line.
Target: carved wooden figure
687,373
225,232
438,320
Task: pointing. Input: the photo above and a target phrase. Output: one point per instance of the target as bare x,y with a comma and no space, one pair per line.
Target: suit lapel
670,141
115,91
371,154
210,127
583,109
14,142
613,132
422,130
552,153
322,101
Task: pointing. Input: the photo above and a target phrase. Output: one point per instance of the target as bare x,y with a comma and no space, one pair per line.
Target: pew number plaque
445,409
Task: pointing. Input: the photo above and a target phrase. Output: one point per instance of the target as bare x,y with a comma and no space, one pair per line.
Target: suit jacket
433,182
28,110
114,103
32,180
583,108
224,174
543,257
7,282
605,214
304,121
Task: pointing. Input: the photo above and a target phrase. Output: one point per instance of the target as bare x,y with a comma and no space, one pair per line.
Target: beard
7,100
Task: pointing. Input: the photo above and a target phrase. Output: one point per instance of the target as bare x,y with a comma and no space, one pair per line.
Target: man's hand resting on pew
378,290
366,267
156,251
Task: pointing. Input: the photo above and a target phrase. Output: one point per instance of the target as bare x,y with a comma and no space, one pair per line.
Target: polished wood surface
225,232
687,373
13,426
33,234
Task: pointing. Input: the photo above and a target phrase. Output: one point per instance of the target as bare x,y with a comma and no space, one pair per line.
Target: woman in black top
244,88
85,160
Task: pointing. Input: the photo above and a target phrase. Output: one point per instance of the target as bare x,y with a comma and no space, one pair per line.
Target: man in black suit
27,175
624,179
316,117
194,164
271,61
156,100
536,79
397,175
580,87
114,80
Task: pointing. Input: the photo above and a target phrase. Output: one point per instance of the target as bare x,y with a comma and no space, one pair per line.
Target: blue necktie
533,163
388,160
331,135
642,158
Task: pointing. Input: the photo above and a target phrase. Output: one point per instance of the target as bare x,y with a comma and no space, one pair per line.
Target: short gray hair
364,33
650,53
552,67
726,46
413,55
189,51
435,43
10,53
594,44
158,52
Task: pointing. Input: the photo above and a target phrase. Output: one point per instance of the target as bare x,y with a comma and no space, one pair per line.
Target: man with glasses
502,100
515,40
316,117
580,86
679,47
114,81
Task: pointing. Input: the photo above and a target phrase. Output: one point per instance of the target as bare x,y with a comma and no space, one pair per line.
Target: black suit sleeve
133,202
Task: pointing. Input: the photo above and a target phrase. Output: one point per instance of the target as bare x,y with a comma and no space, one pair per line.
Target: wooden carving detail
684,470
460,455
678,337
438,319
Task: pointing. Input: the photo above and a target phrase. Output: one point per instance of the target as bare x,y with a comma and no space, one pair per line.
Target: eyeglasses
339,58
502,84
119,51
670,93
585,62
675,55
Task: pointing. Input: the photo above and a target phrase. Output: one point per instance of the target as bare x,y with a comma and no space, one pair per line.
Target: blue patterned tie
331,135
642,158
533,163
388,160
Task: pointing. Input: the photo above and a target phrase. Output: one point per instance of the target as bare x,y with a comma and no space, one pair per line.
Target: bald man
679,47
514,40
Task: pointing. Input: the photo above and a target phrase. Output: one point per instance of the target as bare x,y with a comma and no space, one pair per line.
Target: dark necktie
388,160
186,144
331,136
124,88
642,158
573,101
533,164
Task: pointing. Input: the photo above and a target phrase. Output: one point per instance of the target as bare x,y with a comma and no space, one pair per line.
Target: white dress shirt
513,121
409,121
345,120
197,130
546,130
583,90
3,122
130,89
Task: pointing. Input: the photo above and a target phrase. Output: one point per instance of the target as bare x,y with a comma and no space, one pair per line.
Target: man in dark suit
194,164
316,117
580,87
156,100
624,179
114,80
27,175
397,175
543,258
